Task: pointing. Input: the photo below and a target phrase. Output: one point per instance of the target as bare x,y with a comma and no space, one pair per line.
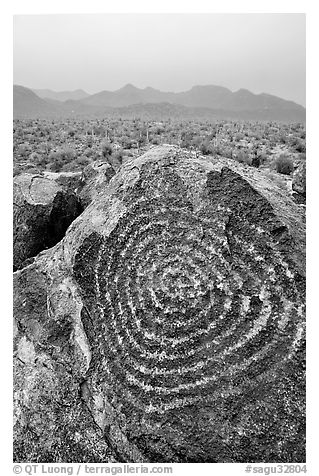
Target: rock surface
299,182
168,324
42,211
69,181
96,176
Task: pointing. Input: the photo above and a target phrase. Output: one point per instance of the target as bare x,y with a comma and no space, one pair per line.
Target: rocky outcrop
96,176
86,184
168,324
42,211
52,355
299,183
69,181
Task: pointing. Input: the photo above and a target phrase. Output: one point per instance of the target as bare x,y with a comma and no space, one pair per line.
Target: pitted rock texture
299,183
69,181
95,177
42,211
189,278
51,356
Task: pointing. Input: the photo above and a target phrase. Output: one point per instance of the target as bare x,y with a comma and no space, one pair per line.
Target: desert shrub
216,150
263,157
56,164
227,152
99,131
35,158
206,148
302,134
243,158
23,150
284,165
119,155
89,141
211,135
70,167
76,165
185,143
187,139
159,130
67,153
126,142
88,152
71,133
106,149
196,142
82,161
300,147
32,170
283,139
60,157
141,137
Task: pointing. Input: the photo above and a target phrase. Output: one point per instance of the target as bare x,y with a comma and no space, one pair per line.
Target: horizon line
151,87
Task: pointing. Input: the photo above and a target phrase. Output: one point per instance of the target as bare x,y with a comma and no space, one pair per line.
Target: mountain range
60,95
206,102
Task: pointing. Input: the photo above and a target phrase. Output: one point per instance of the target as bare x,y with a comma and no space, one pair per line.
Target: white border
164,6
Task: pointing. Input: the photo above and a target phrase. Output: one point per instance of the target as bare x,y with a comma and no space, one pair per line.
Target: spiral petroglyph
168,324
194,308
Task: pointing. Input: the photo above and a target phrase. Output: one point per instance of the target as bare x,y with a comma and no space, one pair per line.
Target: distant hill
61,95
200,102
27,104
212,97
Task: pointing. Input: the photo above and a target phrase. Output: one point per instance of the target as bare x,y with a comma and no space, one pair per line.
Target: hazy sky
172,52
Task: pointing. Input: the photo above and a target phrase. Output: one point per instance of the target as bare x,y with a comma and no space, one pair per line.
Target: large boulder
69,181
87,183
51,357
95,178
299,182
42,211
168,324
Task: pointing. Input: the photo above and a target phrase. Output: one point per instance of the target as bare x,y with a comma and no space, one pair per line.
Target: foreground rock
95,177
86,184
69,181
168,325
51,422
299,183
42,211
